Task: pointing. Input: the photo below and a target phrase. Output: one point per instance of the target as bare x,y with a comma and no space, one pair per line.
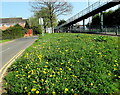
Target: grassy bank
66,64
2,41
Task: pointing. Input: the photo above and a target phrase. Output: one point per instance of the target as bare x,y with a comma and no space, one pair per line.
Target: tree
55,8
43,14
61,22
34,24
27,26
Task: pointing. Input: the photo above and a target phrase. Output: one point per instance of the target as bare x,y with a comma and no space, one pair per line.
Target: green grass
2,41
67,64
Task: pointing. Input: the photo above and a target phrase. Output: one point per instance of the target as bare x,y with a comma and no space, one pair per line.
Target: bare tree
55,7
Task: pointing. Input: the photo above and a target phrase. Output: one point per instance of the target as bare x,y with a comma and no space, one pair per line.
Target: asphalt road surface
10,49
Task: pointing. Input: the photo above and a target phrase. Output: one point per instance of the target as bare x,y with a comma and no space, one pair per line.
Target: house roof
12,20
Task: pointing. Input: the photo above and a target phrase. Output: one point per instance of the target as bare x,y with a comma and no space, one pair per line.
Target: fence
114,30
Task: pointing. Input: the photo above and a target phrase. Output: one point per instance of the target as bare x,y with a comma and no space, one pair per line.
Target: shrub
14,32
37,30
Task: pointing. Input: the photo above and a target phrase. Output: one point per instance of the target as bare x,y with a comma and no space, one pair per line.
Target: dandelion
42,79
33,89
53,93
46,62
16,71
69,62
69,69
115,60
115,68
46,81
34,81
66,89
44,72
118,76
37,92
50,75
28,76
60,68
25,87
16,75
91,84
109,74
66,50
62,63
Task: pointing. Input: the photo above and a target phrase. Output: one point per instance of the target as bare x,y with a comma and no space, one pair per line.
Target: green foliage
110,18
67,64
61,22
27,26
37,30
14,32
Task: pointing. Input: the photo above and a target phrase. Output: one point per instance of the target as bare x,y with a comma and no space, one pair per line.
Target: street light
41,23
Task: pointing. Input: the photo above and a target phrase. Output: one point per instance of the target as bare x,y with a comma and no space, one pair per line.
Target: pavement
11,50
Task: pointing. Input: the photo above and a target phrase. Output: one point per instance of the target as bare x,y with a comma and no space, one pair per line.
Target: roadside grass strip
7,65
67,64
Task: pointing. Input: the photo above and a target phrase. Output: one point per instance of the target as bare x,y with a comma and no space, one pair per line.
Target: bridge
97,7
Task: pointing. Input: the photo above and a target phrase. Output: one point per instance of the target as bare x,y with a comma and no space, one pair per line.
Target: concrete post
101,21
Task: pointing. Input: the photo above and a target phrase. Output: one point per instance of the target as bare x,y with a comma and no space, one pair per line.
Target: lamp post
41,23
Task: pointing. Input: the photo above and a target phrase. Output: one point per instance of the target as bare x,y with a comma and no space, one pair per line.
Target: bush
37,30
66,64
14,32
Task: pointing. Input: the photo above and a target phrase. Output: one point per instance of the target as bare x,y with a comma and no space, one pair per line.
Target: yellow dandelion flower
44,72
109,74
37,92
33,89
66,89
69,69
91,84
50,75
25,87
53,93
115,68
118,76
28,76
66,50
46,81
34,81
16,75
69,62
60,68
46,62
42,79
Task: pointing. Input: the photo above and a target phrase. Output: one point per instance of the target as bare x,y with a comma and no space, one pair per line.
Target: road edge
6,66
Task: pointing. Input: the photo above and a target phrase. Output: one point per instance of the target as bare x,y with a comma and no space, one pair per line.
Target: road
10,49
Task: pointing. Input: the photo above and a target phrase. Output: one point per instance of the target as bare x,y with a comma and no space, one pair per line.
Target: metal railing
89,9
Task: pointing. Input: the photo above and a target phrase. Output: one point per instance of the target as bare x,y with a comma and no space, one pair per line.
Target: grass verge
67,64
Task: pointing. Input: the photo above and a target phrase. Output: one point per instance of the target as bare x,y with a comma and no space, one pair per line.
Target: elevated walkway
93,9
